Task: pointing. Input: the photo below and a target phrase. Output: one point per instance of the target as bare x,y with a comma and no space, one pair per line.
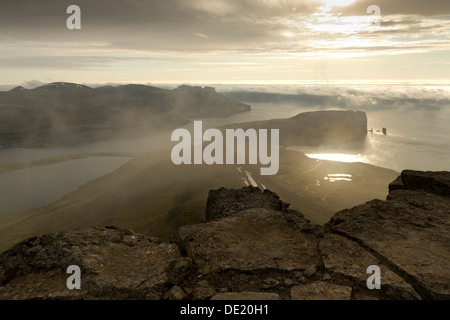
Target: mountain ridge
63,113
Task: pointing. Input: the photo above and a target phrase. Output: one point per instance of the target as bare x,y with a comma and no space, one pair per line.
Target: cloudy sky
224,41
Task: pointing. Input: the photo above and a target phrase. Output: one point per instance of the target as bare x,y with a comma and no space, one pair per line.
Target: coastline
56,159
152,196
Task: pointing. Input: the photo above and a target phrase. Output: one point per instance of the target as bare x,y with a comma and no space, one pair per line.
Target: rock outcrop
225,202
115,264
253,247
432,182
409,232
333,127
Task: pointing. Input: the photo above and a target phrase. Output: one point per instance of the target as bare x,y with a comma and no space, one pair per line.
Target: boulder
114,264
408,233
254,239
433,182
223,202
344,259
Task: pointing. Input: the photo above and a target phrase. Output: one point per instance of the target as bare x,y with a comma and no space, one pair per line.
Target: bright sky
225,41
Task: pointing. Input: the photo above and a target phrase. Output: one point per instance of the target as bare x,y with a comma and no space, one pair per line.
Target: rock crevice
252,246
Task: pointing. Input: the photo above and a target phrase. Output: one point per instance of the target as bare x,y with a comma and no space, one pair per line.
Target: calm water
418,138
38,186
414,140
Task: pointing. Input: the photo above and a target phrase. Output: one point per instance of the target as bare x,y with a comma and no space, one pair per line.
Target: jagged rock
397,184
254,239
152,296
255,296
408,233
433,182
270,283
178,270
114,264
321,291
288,282
310,272
326,277
299,277
203,291
175,293
2,276
241,254
226,202
346,260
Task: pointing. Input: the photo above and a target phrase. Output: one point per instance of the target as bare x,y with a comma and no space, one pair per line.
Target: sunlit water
417,138
341,157
338,177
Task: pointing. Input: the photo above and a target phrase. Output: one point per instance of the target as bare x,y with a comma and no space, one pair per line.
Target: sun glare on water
338,177
341,157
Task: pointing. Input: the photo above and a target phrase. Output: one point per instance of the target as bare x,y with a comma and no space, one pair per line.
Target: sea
416,118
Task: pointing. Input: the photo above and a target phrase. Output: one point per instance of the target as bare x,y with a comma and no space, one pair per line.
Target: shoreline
56,159
152,196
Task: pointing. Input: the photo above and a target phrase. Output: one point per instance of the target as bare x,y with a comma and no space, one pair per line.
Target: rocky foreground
252,246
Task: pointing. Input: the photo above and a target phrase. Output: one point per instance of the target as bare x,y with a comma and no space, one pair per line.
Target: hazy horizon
204,42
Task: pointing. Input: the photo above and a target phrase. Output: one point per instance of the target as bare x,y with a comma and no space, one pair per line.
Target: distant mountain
63,113
17,89
61,85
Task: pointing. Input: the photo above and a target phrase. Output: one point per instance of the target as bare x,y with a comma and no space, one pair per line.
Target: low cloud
360,97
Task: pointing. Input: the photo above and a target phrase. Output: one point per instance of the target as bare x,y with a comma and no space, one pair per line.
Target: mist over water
415,140
417,120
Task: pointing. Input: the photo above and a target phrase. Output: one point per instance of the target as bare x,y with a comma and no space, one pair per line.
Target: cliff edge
252,246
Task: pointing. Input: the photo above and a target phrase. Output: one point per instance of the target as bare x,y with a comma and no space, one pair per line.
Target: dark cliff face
254,247
432,182
227,202
329,127
334,127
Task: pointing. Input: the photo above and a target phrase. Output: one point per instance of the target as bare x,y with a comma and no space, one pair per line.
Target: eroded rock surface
114,264
226,202
409,233
346,261
254,239
433,182
262,252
